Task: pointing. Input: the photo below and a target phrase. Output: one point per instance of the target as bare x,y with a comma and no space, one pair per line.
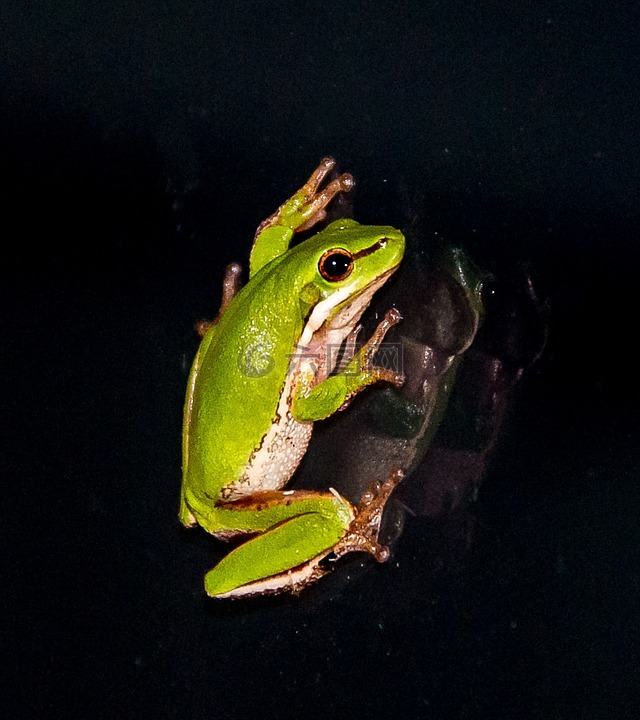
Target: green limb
284,547
260,512
317,402
300,212
329,396
272,242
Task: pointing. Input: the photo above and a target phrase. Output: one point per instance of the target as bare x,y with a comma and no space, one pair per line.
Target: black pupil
336,265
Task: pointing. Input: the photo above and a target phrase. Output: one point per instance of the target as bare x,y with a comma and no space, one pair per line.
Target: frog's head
341,268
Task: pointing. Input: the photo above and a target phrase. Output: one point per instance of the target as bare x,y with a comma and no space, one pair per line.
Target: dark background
141,144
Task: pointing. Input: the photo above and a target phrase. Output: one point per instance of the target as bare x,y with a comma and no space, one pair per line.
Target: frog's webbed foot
230,286
363,532
308,206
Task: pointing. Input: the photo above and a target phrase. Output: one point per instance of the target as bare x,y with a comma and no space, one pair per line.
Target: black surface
141,145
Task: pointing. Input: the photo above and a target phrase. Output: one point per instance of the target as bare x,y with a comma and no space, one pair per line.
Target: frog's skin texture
264,373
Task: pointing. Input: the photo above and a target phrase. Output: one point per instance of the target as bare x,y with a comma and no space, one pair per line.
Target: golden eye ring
336,264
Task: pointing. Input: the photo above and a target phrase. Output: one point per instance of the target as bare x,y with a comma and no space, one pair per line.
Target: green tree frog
266,369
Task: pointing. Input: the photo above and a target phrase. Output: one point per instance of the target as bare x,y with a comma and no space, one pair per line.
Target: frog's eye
336,265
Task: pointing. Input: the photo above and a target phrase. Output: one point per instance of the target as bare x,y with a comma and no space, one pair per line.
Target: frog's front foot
392,317
363,532
308,206
313,201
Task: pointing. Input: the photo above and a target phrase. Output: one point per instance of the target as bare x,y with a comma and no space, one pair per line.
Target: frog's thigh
289,544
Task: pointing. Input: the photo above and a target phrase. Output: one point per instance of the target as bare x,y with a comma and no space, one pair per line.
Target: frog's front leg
300,212
316,402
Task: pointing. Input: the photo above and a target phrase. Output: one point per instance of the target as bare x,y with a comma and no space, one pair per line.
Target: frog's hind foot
363,532
230,286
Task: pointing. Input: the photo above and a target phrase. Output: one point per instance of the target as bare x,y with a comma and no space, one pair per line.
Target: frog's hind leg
230,287
292,533
283,559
